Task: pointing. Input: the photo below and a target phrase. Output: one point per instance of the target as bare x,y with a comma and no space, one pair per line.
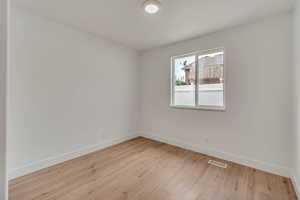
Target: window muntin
198,80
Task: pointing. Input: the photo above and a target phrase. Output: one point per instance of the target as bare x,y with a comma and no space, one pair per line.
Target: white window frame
172,81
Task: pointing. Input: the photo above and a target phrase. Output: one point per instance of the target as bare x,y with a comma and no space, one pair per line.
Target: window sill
207,108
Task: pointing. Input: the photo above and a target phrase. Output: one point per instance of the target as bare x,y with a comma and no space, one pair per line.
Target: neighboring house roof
207,61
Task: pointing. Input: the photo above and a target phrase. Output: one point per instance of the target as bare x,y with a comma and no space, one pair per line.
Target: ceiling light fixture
151,6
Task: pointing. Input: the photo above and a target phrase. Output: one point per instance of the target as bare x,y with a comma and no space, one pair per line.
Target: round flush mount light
151,6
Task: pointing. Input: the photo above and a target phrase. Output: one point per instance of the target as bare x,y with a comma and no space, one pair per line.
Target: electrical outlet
206,140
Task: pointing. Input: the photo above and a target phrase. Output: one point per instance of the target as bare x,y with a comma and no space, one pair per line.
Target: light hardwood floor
142,169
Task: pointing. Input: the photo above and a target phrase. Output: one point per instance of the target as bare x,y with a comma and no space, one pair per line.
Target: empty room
149,99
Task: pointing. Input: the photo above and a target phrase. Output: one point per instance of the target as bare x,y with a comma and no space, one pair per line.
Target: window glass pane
184,81
211,79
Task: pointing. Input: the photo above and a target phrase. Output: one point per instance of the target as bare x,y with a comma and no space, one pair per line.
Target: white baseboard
261,165
35,166
295,183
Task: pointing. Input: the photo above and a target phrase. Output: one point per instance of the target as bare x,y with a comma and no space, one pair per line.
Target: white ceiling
125,22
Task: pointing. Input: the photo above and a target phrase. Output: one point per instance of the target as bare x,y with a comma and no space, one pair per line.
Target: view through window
198,80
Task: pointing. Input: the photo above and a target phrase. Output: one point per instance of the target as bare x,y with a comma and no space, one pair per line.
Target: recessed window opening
198,80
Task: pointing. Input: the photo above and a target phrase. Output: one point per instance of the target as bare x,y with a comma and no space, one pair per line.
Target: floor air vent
218,164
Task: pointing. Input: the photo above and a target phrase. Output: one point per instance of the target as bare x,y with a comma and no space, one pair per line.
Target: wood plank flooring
142,169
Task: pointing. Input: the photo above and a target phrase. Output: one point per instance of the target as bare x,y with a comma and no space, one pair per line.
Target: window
197,80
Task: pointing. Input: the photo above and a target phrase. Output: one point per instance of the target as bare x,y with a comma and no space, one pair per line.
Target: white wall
256,127
296,103
3,66
68,91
